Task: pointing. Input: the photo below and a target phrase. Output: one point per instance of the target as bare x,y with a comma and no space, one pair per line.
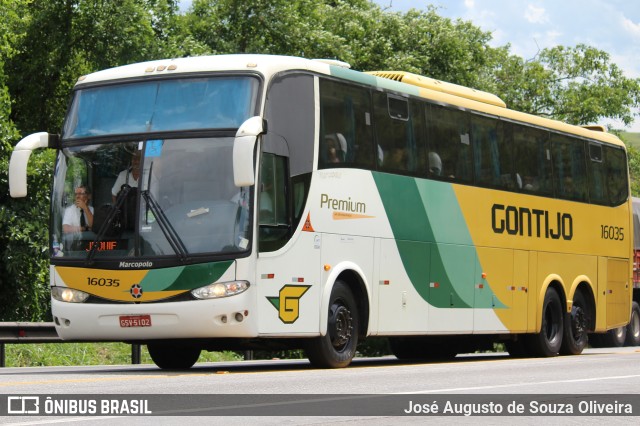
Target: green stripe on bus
433,240
185,277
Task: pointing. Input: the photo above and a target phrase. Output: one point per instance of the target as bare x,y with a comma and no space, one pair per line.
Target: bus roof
441,86
398,81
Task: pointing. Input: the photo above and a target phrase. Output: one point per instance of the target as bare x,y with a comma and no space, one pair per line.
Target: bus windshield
159,197
222,102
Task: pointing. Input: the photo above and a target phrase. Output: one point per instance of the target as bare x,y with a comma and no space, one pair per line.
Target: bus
255,201
629,335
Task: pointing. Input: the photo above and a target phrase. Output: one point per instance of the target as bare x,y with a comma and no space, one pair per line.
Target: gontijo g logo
288,302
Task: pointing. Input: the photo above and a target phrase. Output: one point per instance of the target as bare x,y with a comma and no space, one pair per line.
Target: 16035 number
103,282
608,232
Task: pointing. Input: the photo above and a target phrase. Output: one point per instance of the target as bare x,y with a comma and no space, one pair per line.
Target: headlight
65,294
213,291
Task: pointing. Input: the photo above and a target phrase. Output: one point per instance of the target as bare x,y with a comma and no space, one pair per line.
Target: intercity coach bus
256,201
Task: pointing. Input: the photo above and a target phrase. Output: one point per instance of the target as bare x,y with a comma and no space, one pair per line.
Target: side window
492,153
272,203
449,155
569,167
399,133
290,113
532,160
346,128
597,174
616,164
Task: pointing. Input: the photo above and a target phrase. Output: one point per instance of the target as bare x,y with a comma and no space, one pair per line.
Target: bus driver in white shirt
79,216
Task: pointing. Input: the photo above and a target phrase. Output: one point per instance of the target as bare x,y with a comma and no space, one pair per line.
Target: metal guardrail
28,332
39,332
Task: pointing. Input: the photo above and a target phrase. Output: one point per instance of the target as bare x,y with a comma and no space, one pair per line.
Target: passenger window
346,136
570,175
597,175
450,155
492,153
616,175
399,133
532,160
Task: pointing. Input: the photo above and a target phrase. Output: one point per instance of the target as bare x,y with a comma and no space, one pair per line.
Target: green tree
356,31
23,223
287,27
65,39
579,85
44,47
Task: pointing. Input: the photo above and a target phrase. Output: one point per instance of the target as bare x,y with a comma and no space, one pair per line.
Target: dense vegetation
46,45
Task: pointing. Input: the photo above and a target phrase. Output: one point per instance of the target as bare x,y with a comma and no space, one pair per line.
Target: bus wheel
614,338
169,357
548,341
633,329
576,324
338,347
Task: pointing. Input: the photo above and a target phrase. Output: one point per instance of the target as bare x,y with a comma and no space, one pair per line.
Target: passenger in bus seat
336,146
397,159
529,183
79,216
435,164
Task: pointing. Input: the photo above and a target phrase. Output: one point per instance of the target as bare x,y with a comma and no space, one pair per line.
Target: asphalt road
494,377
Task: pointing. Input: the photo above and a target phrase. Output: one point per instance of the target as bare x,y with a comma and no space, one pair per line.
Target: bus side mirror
243,149
20,159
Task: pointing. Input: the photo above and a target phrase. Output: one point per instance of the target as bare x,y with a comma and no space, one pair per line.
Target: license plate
135,321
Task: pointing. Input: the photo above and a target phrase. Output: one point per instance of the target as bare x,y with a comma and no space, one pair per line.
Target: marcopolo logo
136,291
288,302
147,264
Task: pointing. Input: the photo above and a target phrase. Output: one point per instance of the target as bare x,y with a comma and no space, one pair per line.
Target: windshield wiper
111,215
167,229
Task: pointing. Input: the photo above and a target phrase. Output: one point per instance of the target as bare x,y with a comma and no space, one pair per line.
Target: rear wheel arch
555,282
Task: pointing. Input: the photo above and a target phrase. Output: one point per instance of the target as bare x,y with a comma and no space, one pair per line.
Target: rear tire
337,348
169,357
614,338
633,329
576,324
548,341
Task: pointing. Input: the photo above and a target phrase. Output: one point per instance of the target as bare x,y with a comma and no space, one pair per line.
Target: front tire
548,341
576,325
169,357
337,348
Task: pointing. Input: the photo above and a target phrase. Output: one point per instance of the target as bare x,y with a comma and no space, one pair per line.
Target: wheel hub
340,324
578,322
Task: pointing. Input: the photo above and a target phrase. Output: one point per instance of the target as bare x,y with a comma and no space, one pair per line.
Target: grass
68,354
